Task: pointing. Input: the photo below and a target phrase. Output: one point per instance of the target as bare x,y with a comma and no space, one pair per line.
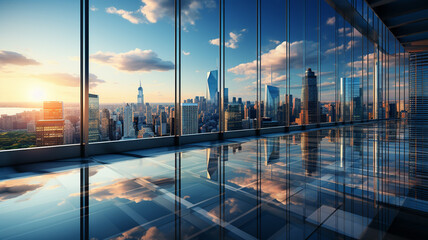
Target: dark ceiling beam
414,37
410,29
399,8
406,19
377,3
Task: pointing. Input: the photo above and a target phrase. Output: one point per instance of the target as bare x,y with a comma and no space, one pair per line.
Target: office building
50,130
309,102
189,118
94,118
212,87
271,102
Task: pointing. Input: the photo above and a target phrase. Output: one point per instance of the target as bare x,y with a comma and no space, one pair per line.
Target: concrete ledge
38,154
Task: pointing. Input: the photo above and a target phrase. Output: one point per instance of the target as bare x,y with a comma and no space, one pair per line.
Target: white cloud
186,53
154,10
342,30
128,15
14,58
334,49
93,8
331,20
275,41
275,59
231,43
136,60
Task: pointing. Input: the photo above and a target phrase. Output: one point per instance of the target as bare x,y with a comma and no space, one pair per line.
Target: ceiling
407,20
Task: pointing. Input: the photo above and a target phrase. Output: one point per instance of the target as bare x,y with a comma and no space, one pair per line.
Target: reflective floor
366,181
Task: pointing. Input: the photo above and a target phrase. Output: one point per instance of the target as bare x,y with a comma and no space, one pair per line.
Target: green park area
17,139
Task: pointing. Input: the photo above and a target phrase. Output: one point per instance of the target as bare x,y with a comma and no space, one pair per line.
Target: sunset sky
134,40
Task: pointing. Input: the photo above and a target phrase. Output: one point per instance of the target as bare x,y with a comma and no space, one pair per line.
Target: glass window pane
132,70
240,64
39,73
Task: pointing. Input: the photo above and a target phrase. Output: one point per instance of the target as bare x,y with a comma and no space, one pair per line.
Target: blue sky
134,40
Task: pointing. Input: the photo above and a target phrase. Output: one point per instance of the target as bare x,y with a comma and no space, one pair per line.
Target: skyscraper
128,124
105,124
50,131
309,111
140,105
233,117
53,110
94,118
212,86
271,102
350,99
189,118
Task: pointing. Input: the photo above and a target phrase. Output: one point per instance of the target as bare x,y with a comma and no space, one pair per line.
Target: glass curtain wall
131,93
297,56
240,64
224,68
39,74
201,89
275,99
327,64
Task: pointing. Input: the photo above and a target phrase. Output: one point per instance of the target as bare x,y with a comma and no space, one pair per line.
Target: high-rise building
189,118
68,132
149,118
94,118
53,110
105,124
350,99
162,124
233,117
128,123
296,107
226,96
309,112
212,86
50,131
140,105
271,102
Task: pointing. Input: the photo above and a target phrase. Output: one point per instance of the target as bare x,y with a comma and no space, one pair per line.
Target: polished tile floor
365,181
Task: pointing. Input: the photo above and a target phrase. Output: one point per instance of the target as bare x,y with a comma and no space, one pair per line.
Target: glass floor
366,181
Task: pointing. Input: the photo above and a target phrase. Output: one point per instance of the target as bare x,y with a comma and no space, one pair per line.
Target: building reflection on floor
365,181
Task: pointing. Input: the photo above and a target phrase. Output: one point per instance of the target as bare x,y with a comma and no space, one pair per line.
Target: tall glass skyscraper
271,102
309,106
212,86
350,99
140,105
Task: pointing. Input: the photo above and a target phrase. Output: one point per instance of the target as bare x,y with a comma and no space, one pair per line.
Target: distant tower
212,86
271,102
309,105
140,97
140,106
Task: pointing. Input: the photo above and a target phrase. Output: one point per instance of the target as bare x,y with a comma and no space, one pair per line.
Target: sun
37,94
